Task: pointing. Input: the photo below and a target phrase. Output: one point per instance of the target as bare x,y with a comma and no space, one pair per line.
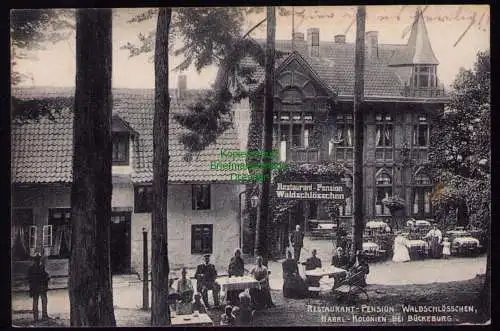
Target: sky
445,24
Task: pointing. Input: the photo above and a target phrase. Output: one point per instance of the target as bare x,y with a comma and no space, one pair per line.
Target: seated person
312,263
236,314
227,319
173,295
359,265
245,314
236,268
185,286
262,297
339,260
198,305
293,284
206,276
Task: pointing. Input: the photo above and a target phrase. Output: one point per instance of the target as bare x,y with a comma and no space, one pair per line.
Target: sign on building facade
312,191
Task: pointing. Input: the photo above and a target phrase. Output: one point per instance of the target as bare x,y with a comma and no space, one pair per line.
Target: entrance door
120,243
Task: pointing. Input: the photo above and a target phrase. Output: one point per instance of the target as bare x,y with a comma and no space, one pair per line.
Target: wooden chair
351,286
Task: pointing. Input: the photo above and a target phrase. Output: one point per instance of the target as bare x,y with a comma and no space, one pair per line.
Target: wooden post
358,212
145,273
268,133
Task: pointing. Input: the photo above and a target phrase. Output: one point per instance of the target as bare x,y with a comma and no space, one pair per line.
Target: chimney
298,36
340,38
372,44
313,42
181,86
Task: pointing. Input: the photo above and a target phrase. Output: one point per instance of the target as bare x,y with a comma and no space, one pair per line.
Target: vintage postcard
251,166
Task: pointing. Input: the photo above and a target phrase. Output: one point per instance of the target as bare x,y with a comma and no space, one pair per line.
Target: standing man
38,286
206,276
434,238
297,240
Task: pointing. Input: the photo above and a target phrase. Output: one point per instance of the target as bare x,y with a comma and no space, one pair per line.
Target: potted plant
396,206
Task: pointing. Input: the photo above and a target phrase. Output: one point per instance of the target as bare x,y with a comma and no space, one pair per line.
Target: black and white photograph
250,166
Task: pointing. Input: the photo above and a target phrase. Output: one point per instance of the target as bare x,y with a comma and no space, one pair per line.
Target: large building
203,207
313,118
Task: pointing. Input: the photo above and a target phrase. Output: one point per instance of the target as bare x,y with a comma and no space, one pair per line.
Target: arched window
383,182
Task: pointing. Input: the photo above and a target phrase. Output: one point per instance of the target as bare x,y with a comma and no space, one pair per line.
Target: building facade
203,207
313,118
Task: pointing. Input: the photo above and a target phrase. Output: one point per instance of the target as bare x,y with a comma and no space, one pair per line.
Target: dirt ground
304,312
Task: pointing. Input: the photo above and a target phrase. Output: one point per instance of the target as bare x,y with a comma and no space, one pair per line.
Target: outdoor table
330,271
236,284
417,247
191,320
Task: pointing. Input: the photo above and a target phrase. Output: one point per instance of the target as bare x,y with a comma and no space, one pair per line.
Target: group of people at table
240,302
297,286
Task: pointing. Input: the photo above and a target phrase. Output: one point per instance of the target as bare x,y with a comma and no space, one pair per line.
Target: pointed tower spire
419,49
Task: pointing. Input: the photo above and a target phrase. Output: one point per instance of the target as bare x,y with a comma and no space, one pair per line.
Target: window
421,132
143,199
295,131
344,137
47,235
201,239
121,148
57,234
383,183
422,196
383,137
201,197
424,76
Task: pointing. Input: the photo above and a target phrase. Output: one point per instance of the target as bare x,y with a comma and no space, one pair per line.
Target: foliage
32,30
210,36
394,203
460,146
327,171
27,110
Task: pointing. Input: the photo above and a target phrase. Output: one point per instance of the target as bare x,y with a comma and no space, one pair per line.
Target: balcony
423,92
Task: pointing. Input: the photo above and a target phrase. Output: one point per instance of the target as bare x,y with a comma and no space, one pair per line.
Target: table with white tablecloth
236,284
191,320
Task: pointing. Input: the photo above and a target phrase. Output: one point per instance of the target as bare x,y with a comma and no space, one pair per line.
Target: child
198,305
446,248
227,319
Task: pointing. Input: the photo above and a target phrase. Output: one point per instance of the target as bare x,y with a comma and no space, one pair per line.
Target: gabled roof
42,152
283,63
419,49
335,66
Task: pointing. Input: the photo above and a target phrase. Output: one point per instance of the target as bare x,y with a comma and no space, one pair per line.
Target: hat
206,255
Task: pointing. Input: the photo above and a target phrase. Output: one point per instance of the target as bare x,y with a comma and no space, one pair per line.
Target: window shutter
193,197
47,235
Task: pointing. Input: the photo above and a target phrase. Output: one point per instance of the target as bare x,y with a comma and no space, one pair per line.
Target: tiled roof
42,152
335,66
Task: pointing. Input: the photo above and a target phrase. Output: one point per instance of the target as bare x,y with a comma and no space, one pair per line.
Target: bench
351,286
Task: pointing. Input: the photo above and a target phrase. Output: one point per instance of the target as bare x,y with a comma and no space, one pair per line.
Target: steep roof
42,152
335,66
418,49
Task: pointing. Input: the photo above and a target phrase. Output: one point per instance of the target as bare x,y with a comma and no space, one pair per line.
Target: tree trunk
160,313
90,288
268,133
357,192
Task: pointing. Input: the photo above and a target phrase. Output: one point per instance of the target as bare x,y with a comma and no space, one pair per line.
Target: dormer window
121,148
424,76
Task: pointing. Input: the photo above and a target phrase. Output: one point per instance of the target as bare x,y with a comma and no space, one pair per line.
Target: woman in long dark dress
262,296
236,269
293,285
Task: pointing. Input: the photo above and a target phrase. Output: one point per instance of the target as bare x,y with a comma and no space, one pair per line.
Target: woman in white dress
401,253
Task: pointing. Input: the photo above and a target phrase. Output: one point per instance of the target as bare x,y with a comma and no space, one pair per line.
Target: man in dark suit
297,240
38,286
206,276
312,263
